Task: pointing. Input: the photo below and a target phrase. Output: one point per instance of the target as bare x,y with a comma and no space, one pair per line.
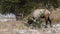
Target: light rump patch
37,13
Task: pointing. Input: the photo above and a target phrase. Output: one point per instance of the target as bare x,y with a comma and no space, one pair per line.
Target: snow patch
7,17
30,31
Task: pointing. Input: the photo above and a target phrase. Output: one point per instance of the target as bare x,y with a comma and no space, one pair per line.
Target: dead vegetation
16,27
55,16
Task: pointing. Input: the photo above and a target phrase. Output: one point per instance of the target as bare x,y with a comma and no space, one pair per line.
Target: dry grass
55,16
7,27
15,27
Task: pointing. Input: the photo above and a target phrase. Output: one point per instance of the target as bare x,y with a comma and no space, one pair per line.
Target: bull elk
36,14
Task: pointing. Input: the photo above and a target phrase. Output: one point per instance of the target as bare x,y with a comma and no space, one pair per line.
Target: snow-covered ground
7,17
54,30
16,28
